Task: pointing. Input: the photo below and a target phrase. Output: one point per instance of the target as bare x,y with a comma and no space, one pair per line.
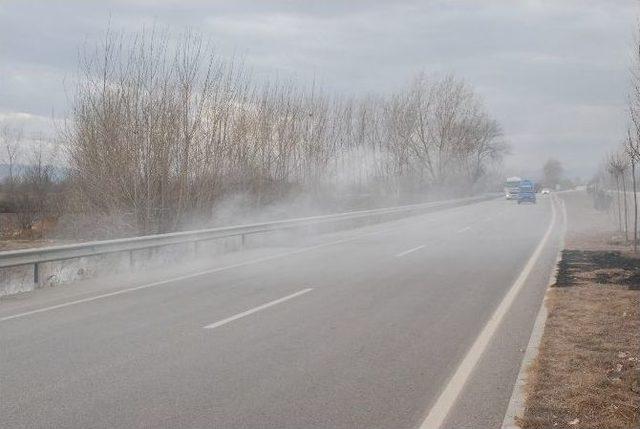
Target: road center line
449,395
468,228
256,309
406,252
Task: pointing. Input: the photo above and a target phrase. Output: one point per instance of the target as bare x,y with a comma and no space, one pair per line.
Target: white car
545,191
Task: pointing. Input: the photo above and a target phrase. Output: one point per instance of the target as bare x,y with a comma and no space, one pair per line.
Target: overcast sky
554,73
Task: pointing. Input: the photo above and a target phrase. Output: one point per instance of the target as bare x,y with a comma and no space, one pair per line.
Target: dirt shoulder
586,374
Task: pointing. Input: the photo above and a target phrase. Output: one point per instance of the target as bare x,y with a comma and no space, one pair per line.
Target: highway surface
384,326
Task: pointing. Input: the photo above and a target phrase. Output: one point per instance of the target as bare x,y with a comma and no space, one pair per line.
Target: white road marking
441,408
215,270
468,228
192,275
256,309
406,252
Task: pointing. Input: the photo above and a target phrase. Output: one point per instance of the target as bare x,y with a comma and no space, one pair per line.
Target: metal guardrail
41,255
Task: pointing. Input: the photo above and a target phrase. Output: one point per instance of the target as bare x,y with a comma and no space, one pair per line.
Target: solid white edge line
256,309
516,404
406,252
463,229
447,398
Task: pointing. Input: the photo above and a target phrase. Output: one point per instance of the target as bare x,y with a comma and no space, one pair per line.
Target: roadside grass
586,373
6,245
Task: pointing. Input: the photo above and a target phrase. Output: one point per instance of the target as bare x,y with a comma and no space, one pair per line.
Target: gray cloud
555,74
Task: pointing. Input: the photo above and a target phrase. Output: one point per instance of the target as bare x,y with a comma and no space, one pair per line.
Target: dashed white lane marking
210,271
256,309
443,405
468,228
189,276
406,252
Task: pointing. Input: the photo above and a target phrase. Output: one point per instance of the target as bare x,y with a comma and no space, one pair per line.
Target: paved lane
361,333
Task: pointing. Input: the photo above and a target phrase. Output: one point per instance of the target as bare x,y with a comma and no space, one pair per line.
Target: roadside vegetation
587,372
31,192
165,135
615,188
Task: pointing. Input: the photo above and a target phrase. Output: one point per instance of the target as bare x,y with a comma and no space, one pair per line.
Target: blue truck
526,192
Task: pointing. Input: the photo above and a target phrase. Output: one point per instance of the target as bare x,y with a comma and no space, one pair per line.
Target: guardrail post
130,258
242,240
36,273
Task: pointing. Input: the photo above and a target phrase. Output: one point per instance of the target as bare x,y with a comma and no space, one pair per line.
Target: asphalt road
363,328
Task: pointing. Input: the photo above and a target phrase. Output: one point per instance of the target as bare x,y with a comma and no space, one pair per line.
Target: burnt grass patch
602,267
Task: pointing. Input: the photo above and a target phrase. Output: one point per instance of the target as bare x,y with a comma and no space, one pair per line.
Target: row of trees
162,131
620,167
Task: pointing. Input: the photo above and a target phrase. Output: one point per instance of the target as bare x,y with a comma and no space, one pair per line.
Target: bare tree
633,137
12,138
163,129
553,172
441,132
617,166
633,151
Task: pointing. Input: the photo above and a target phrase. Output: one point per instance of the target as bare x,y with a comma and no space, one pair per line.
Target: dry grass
586,372
588,360
6,245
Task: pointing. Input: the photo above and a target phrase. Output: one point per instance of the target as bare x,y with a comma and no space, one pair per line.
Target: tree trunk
619,203
635,207
626,216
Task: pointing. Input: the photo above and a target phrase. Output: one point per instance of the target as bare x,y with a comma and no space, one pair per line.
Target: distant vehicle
545,191
526,192
511,187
